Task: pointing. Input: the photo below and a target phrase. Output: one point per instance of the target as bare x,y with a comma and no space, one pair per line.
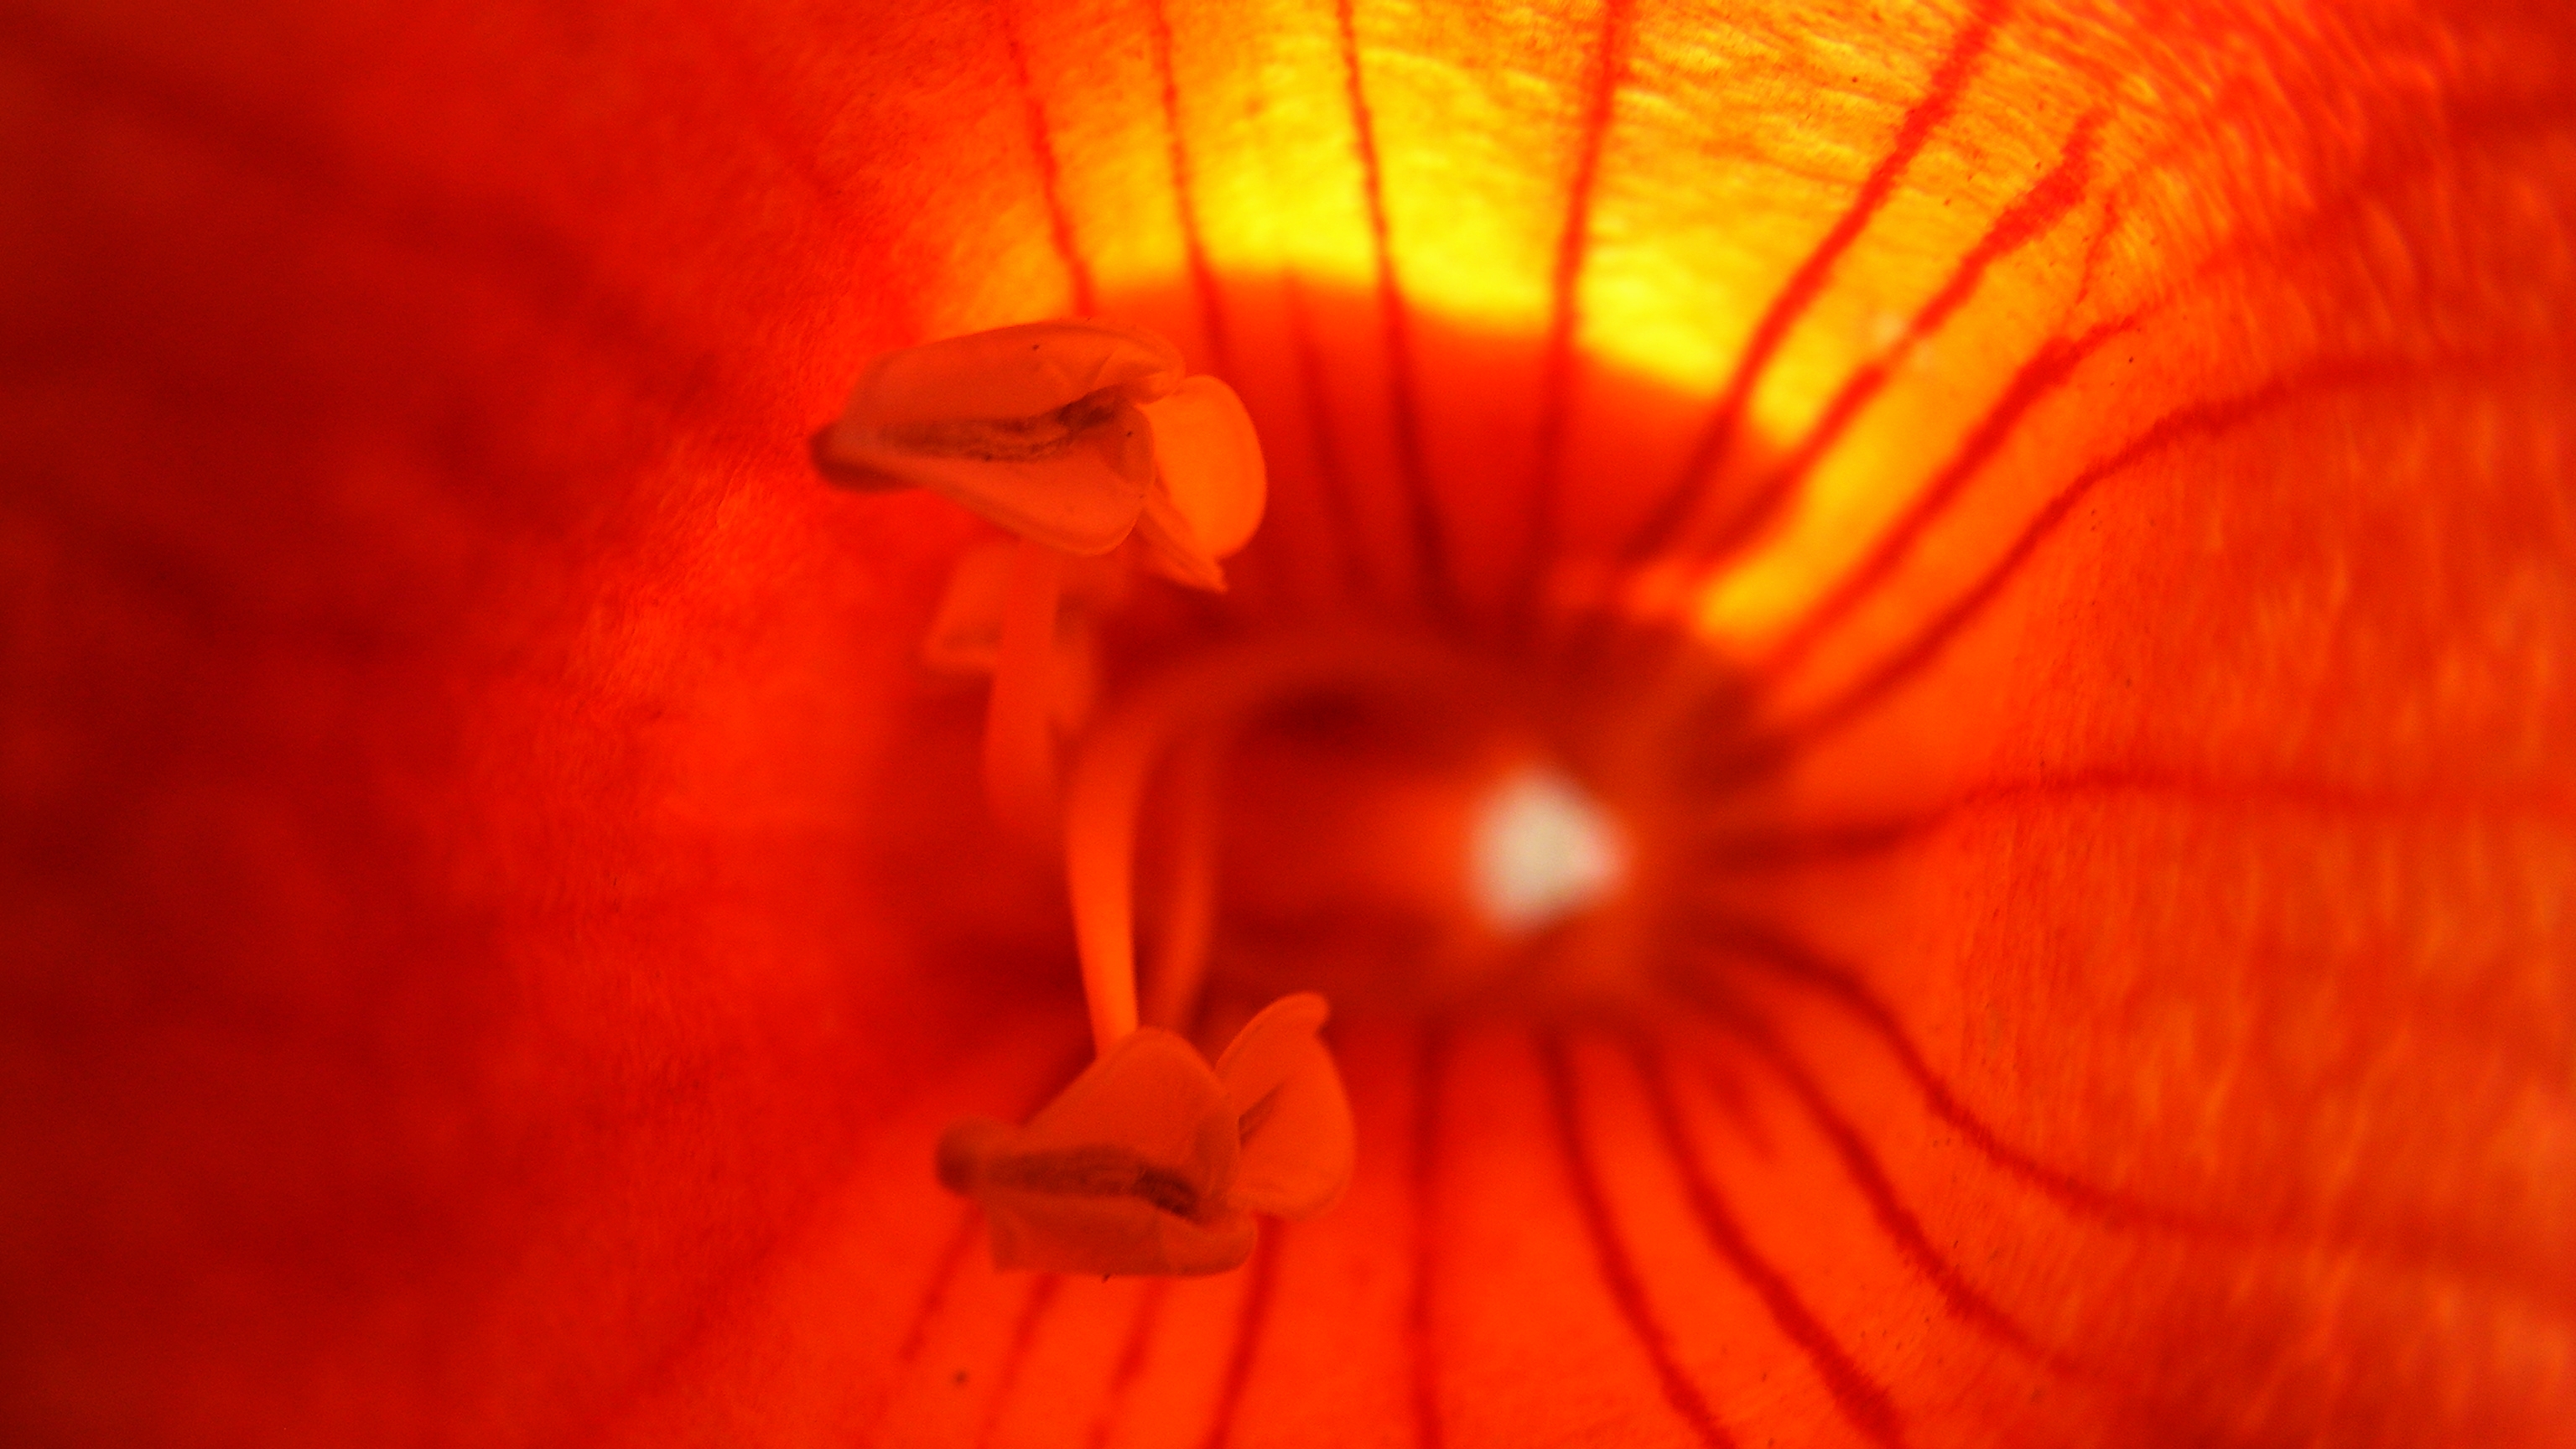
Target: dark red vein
943,1277
1618,1270
2197,420
1751,850
1895,1219
1185,196
1131,1360
1717,435
2042,376
1862,1399
1257,1295
1430,1073
1556,362
954,1253
2028,219
1778,850
1024,1340
2113,213
1404,409
1763,947
2502,118
1050,177
1332,476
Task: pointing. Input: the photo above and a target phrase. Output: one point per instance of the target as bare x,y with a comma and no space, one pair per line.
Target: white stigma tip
1543,849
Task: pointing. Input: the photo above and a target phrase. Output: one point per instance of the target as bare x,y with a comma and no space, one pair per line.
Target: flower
493,935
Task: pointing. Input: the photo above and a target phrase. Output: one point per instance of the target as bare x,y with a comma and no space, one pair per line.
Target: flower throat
1304,813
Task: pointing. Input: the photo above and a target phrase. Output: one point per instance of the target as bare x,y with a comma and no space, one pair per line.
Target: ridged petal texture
496,916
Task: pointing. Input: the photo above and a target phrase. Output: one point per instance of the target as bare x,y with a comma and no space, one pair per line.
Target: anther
1077,437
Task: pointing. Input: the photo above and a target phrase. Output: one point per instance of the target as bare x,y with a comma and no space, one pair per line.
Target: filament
1203,701
1019,739
1189,909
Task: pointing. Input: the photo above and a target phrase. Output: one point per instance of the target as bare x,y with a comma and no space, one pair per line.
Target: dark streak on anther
1094,1170
1422,514
1050,175
1861,1398
1618,1271
1799,292
1045,435
1257,1294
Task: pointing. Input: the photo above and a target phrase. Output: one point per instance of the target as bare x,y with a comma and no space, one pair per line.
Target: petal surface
492,933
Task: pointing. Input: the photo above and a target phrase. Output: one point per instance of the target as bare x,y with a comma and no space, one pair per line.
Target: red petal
488,949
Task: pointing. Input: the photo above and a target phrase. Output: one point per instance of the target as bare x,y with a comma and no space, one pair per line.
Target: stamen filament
1019,737
1189,907
1203,701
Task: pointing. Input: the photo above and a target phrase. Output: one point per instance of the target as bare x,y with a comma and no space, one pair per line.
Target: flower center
1542,848
1399,821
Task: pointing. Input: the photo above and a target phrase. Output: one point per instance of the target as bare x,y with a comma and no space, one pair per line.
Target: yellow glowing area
1195,166
1280,184
1939,384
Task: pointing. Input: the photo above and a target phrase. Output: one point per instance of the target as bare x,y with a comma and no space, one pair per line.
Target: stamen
1189,903
1019,737
1076,436
1152,1161
1128,1170
1205,703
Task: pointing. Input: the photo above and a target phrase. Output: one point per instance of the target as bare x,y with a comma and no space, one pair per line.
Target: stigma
1544,849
